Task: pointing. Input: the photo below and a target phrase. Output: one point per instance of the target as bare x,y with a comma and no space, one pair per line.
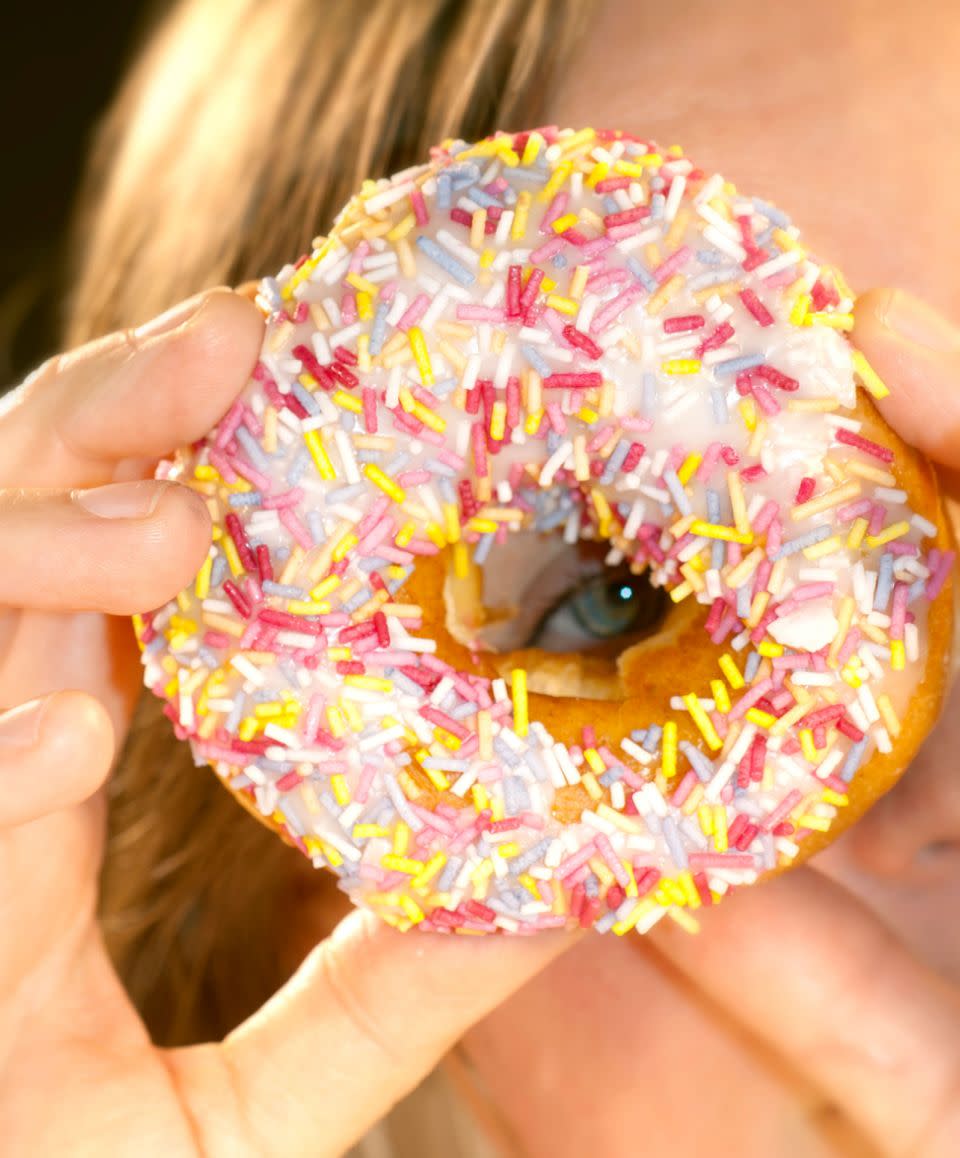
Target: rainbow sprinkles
564,331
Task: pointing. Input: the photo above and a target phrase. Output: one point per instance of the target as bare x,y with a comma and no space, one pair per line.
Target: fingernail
20,727
134,500
173,318
919,323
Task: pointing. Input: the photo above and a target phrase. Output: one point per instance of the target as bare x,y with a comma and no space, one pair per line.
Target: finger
821,981
369,1014
136,395
55,752
916,351
121,548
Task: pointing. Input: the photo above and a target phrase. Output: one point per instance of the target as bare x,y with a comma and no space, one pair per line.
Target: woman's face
848,119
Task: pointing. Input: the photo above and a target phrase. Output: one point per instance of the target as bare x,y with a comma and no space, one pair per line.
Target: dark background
60,63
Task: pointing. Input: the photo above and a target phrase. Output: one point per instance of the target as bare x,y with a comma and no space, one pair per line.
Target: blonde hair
242,128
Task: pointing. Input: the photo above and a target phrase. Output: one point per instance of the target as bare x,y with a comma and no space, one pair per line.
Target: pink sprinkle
582,341
414,312
677,260
419,207
874,449
756,307
683,324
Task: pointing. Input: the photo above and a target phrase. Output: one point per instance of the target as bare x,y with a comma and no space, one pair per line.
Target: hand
817,1014
88,537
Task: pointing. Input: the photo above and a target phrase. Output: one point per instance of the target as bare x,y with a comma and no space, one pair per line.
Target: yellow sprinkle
898,655
597,173
557,180
718,531
814,405
641,909
760,718
478,225
233,558
498,420
248,728
578,281
769,649
318,453
418,346
668,290
745,568
562,305
824,502
589,781
429,870
868,376
888,534
335,721
730,670
567,221
890,717
801,306
637,166
202,584
531,149
721,697
874,473
518,683
308,607
384,482
402,228
367,831
808,746
857,532
826,547
832,321
837,799
819,823
702,720
519,228
704,818
341,793
371,683
401,838
344,547
577,140
411,908
788,719
669,755
681,366
738,503
685,880
689,467
720,827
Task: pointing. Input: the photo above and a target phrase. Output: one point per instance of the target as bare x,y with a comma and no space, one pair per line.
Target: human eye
600,614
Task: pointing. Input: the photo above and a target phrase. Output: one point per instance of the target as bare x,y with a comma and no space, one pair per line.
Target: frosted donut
548,342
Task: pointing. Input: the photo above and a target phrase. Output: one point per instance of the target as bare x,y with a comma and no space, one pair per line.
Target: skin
833,984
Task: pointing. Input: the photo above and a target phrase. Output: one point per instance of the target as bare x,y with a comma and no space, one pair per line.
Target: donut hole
567,613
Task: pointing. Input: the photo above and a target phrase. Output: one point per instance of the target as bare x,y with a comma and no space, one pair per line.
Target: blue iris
601,608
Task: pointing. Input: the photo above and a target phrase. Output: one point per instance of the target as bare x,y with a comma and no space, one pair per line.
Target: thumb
370,1012
916,351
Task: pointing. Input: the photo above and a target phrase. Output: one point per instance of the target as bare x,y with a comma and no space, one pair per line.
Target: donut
563,571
